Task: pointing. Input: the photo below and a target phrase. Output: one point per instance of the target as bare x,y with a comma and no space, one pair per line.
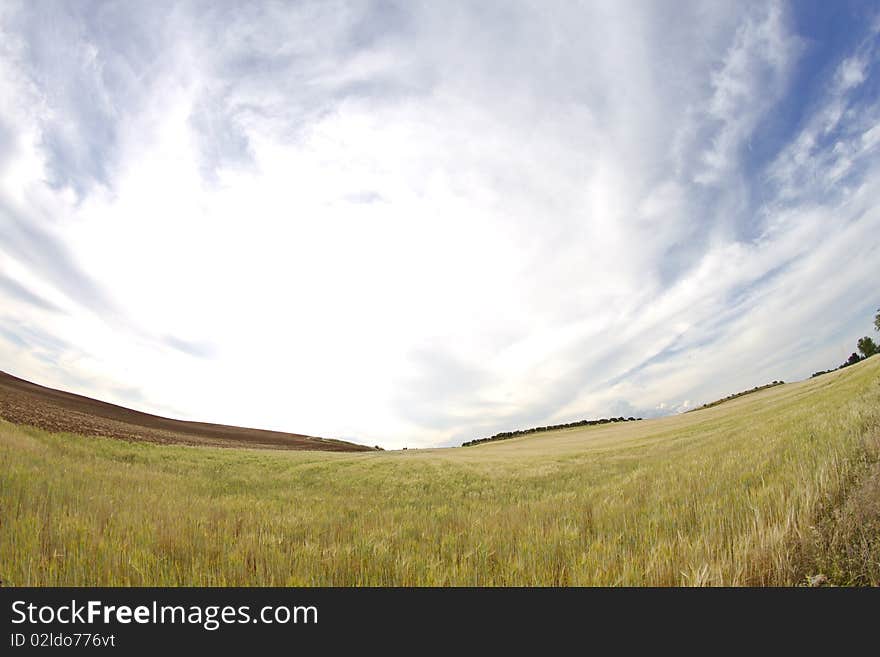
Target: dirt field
22,402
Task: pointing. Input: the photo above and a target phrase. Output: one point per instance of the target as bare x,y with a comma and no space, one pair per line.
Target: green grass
728,495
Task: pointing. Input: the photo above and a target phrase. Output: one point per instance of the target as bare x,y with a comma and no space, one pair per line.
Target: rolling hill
776,487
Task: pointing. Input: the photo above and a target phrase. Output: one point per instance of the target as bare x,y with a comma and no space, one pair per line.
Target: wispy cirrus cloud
417,224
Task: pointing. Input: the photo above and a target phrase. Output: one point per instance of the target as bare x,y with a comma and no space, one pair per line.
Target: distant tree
868,347
877,321
852,360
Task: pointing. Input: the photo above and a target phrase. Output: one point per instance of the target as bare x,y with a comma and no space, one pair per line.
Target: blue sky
421,223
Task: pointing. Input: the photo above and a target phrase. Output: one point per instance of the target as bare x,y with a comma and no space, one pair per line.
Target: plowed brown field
22,402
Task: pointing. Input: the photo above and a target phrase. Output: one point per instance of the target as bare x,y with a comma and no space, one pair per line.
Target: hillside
766,489
23,402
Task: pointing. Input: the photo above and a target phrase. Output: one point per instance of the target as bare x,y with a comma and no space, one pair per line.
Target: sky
419,223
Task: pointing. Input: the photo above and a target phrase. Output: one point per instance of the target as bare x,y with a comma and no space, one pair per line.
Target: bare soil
23,402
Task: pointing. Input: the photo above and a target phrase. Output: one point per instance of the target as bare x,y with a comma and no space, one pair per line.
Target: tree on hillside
867,346
852,360
877,321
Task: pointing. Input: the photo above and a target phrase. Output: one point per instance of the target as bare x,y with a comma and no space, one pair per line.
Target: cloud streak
416,224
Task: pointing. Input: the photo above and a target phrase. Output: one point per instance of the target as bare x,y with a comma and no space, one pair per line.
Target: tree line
522,432
866,348
735,395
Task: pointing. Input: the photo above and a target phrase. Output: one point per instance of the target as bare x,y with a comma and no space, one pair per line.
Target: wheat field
737,494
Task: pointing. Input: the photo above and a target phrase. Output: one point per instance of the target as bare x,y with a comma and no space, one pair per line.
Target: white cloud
419,225
751,79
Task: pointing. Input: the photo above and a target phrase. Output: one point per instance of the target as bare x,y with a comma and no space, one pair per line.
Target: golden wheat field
765,489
